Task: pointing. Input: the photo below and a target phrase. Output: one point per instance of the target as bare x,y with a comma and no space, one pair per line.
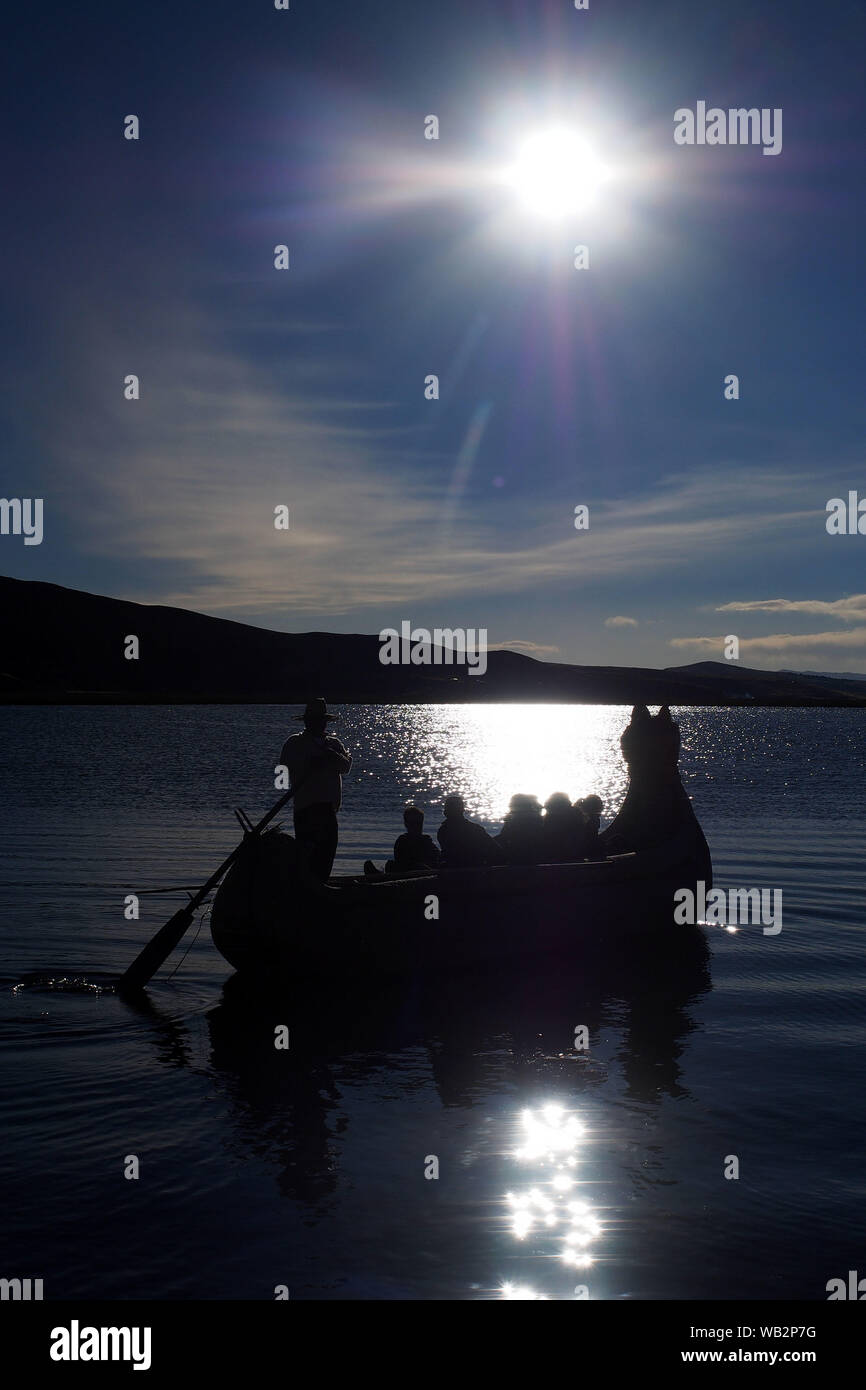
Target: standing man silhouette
316,763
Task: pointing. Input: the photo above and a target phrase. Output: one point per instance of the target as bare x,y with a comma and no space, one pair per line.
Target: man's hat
316,709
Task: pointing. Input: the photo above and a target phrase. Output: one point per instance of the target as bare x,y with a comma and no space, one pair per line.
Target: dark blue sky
557,386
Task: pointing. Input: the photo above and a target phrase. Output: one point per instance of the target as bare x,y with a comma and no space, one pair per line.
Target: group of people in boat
558,832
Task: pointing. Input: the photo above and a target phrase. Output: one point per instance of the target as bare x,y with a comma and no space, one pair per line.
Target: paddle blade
155,952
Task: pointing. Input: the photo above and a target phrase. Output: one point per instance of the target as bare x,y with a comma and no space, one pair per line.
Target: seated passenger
563,837
522,831
591,807
464,843
588,812
414,849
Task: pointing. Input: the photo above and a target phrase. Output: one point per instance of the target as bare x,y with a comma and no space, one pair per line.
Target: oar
155,952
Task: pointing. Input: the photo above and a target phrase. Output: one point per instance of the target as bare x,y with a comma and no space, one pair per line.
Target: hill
61,645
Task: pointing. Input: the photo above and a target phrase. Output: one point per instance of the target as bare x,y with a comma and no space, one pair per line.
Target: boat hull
266,919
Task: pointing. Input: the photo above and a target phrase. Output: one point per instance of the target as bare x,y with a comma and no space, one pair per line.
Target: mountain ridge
65,646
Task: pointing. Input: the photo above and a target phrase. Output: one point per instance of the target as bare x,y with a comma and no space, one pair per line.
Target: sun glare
549,1217
556,173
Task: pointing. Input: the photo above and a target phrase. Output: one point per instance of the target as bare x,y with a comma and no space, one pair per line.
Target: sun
556,173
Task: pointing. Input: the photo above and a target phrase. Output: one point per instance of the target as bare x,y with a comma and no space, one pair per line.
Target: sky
559,387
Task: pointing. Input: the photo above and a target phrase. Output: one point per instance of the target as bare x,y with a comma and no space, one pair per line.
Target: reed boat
270,917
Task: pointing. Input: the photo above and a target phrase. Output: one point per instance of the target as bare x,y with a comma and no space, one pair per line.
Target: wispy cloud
519,644
851,609
182,486
852,639
803,649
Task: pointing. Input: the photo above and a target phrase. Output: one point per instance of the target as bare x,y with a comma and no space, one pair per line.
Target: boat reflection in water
547,1153
550,1213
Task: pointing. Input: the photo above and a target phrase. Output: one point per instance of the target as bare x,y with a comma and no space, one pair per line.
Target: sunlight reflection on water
489,752
550,1215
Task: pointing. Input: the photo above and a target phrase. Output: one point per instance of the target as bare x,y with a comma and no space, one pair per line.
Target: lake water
306,1168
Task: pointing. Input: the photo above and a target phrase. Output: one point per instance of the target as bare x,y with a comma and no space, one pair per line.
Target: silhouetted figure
562,831
522,831
464,843
316,763
588,816
414,849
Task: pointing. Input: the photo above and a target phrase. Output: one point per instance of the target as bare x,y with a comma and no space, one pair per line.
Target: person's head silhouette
315,717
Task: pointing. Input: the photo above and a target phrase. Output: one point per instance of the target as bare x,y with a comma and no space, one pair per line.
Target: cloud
854,639
519,644
796,648
620,622
177,491
850,609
